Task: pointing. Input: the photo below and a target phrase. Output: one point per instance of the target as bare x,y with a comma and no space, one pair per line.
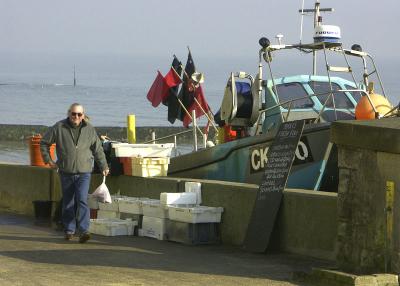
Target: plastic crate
93,202
194,187
154,209
142,150
153,227
132,205
149,167
178,198
112,227
193,233
114,206
101,214
197,214
135,217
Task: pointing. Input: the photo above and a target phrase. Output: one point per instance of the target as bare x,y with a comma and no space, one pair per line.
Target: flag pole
199,105
205,113
188,114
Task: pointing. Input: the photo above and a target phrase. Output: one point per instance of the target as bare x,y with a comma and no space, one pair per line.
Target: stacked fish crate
144,160
107,220
178,217
194,224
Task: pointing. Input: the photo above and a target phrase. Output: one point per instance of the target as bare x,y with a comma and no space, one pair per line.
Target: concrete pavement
38,255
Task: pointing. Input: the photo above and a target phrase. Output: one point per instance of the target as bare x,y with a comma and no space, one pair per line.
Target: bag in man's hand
102,194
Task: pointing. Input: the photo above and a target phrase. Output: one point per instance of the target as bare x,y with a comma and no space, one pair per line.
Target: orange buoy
36,154
365,111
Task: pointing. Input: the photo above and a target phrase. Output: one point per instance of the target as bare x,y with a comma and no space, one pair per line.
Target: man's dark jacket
74,158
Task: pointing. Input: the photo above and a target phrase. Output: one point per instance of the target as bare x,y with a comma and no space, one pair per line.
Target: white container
153,227
132,205
198,214
194,187
101,214
142,150
93,203
178,198
113,207
112,227
154,209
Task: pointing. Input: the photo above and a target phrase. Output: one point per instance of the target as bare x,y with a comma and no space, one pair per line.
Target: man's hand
106,172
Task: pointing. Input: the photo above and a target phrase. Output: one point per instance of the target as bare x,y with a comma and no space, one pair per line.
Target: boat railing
195,128
329,93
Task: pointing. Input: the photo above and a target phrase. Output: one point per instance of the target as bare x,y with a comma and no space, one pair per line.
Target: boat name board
258,155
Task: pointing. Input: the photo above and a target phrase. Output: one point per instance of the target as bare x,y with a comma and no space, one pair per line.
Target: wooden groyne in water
16,132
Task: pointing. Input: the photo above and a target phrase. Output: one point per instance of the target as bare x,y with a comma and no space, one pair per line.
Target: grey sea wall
15,132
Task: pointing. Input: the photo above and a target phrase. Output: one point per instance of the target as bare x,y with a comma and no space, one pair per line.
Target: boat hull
243,160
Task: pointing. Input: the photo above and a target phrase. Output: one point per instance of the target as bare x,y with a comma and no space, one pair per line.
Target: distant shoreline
21,132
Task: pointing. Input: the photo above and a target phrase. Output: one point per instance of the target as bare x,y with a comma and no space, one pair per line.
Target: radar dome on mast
327,33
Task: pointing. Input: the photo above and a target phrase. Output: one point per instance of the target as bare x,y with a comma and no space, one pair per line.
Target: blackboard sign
280,158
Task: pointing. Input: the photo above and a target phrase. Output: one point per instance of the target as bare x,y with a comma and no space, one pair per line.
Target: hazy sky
159,27
130,39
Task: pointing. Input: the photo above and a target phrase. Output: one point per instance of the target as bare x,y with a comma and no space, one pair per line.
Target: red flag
172,79
199,95
158,90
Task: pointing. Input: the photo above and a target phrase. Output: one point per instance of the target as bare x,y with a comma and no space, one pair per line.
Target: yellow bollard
131,129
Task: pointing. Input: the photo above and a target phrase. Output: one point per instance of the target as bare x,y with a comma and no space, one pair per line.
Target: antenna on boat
317,21
74,77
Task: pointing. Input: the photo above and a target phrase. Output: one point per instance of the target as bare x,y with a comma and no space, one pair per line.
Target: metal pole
153,137
316,16
194,130
205,113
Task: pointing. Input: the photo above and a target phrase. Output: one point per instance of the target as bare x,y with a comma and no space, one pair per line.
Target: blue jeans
75,188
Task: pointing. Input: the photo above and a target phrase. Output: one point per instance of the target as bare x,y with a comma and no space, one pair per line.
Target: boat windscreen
323,88
355,94
292,91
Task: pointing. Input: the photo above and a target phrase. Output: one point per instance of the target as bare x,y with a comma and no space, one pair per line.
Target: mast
74,77
317,22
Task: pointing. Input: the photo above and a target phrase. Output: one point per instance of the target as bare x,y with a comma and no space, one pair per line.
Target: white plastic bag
101,193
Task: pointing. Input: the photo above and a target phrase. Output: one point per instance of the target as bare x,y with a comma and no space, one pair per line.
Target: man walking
77,144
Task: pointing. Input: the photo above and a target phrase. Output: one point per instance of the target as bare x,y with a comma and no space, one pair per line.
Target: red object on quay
35,153
93,213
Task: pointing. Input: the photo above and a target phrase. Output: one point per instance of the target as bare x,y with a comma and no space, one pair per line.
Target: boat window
355,94
323,88
291,91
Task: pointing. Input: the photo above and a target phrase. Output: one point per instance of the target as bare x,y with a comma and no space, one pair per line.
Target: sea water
36,97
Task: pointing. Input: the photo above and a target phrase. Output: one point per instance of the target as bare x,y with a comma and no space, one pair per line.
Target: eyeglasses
76,114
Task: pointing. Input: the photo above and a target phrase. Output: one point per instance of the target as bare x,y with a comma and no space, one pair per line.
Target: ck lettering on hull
258,155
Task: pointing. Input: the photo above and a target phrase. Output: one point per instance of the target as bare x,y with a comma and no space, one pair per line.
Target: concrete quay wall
306,224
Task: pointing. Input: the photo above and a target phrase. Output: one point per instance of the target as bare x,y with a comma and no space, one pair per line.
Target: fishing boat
253,108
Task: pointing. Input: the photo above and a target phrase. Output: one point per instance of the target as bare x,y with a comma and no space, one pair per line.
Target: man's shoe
84,237
68,236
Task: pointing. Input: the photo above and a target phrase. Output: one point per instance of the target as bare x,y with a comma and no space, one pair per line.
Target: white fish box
149,167
112,227
198,214
113,207
194,187
153,227
93,203
142,150
132,205
101,214
154,209
178,198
